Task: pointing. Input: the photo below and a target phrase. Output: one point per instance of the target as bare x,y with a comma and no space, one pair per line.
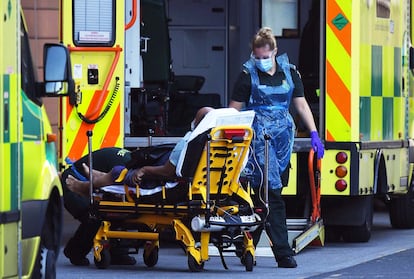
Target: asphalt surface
398,265
389,254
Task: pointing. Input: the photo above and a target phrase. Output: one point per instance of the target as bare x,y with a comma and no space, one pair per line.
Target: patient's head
200,115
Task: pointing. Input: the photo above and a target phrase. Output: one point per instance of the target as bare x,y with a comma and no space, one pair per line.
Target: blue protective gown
271,104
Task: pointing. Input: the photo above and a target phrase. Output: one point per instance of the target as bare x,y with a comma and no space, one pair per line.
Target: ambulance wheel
361,233
402,211
248,261
46,265
151,258
193,265
105,259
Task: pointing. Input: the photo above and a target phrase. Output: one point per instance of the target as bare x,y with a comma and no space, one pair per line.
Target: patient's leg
77,186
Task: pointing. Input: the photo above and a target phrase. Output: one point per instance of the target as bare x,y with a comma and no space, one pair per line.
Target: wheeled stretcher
215,208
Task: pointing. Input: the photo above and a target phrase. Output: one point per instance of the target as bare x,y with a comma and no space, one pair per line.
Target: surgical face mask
264,65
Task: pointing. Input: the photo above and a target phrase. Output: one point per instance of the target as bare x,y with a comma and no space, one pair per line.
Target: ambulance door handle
217,48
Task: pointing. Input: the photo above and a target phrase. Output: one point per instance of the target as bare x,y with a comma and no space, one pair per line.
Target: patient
76,189
119,174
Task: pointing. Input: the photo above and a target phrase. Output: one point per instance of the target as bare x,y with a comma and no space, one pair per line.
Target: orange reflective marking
338,92
343,35
114,130
329,136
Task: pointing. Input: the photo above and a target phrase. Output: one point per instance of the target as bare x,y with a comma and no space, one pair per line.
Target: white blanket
216,118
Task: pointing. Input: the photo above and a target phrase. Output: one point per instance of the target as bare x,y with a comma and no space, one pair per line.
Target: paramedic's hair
264,37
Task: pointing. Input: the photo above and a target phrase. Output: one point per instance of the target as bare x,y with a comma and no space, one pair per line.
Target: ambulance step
297,224
301,233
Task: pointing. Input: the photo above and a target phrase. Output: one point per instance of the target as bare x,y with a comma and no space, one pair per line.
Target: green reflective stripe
376,78
32,119
388,118
14,176
6,108
365,118
397,72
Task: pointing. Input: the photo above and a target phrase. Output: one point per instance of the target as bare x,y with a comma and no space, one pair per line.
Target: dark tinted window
27,70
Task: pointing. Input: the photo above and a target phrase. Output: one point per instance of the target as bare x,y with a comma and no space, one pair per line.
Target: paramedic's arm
305,113
166,170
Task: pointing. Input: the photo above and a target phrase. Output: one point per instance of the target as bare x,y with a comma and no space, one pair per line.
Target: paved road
398,265
387,255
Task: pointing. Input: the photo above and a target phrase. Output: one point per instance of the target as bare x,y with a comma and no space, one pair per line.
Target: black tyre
333,233
402,211
193,265
357,233
248,261
105,259
361,233
45,266
151,257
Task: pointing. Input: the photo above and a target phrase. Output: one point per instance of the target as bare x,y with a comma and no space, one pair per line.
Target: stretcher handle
208,188
315,184
89,135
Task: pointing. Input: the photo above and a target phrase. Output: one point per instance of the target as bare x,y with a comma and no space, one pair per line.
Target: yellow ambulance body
30,189
364,102
365,116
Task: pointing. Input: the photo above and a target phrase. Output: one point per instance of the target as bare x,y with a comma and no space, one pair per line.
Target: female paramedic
267,85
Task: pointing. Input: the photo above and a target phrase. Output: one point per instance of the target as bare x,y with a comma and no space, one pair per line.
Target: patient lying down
166,167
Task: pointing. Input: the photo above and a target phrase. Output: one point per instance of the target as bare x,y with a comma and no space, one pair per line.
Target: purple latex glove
317,144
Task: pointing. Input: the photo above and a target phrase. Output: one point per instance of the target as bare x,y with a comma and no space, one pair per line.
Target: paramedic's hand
317,144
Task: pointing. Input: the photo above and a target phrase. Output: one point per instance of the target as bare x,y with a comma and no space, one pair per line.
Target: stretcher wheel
248,261
105,259
193,265
151,257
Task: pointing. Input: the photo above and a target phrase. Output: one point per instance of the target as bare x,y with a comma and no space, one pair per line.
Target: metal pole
208,182
266,170
89,135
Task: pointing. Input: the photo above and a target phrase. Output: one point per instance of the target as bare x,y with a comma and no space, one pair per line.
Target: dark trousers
78,206
275,224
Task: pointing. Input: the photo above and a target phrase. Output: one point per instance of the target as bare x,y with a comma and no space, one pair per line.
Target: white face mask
192,125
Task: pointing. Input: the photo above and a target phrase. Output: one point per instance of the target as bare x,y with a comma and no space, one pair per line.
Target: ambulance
140,65
30,189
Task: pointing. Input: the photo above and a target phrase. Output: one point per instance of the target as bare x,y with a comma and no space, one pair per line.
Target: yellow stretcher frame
216,175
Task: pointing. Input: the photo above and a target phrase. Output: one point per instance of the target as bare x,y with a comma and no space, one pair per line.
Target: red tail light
341,185
341,157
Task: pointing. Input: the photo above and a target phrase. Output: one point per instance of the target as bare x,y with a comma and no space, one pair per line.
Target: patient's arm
166,170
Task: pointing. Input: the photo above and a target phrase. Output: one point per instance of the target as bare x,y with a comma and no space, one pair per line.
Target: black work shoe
123,260
286,262
76,259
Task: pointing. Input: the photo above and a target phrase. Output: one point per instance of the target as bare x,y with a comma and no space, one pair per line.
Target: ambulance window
383,8
94,22
28,74
282,16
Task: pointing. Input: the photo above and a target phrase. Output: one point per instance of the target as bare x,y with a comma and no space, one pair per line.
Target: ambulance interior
191,58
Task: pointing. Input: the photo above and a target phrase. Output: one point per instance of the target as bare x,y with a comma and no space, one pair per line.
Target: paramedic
77,205
75,186
267,85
